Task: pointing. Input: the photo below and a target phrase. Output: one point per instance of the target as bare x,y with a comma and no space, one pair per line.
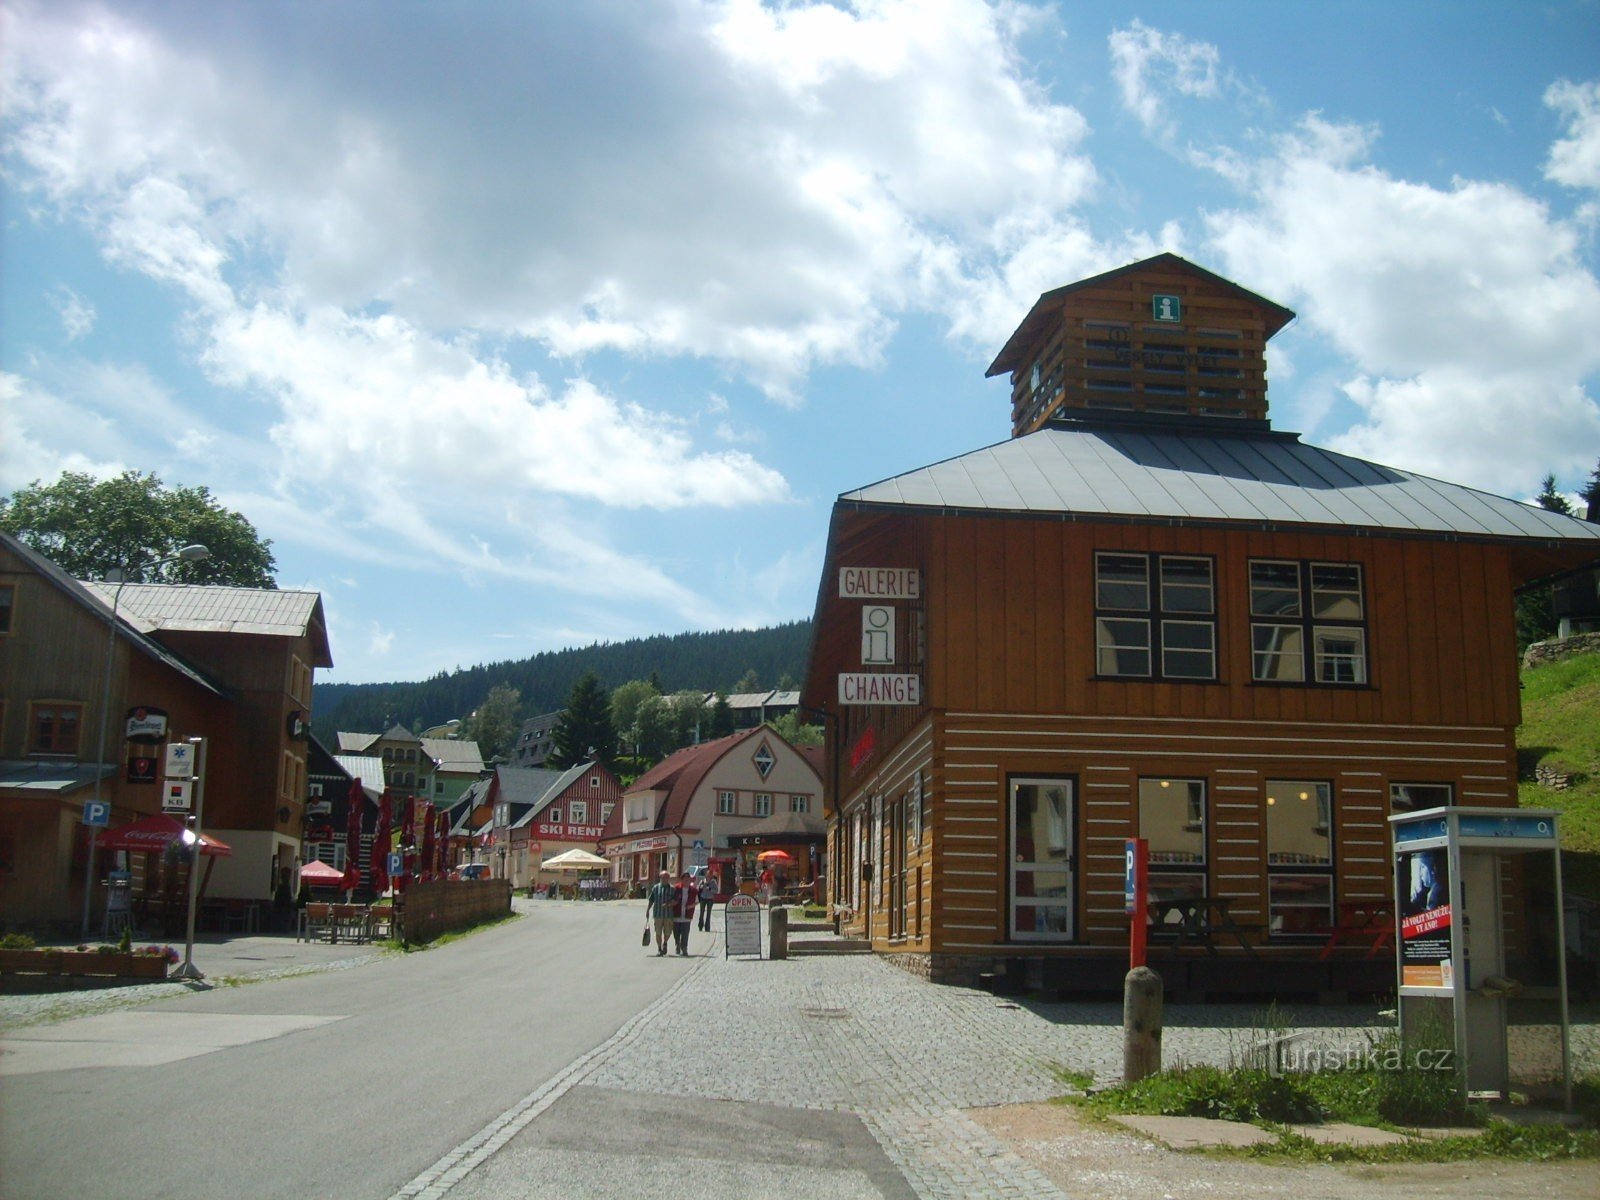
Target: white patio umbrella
574,860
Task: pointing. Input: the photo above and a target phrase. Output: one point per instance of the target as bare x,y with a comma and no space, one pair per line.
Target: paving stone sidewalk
855,1034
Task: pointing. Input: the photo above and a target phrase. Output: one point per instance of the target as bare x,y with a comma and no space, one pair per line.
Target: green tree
722,720
796,732
625,701
494,725
748,682
655,729
690,719
1591,492
90,528
584,726
1536,618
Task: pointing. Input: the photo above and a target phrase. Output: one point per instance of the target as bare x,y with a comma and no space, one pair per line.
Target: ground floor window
1172,819
1413,797
1299,856
332,853
1042,859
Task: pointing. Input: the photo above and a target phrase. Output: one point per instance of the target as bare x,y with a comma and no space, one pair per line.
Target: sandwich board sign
741,933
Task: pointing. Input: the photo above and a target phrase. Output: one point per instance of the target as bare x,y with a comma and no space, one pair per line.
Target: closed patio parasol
352,838
379,864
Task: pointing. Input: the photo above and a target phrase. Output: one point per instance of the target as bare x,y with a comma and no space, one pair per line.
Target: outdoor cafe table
1199,921
1368,921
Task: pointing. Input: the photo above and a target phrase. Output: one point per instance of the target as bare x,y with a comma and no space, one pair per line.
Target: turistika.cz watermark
1288,1059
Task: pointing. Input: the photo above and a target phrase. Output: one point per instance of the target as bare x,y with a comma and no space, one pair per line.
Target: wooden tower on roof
1160,337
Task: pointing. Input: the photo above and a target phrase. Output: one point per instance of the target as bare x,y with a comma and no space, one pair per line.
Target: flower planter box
83,963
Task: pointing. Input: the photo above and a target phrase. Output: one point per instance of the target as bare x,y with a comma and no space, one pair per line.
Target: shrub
17,941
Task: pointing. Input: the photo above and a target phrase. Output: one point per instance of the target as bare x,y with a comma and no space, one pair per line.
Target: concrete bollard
777,932
1141,1024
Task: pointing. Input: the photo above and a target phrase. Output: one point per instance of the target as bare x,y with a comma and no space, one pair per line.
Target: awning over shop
46,775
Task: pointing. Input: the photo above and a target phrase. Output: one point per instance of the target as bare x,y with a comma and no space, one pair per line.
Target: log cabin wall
1012,693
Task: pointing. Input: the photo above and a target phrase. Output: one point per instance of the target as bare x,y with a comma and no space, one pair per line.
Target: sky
524,326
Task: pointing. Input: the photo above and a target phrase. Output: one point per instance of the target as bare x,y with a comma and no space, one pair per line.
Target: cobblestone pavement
858,1035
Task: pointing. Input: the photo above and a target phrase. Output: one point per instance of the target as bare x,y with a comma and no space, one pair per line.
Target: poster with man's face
1422,879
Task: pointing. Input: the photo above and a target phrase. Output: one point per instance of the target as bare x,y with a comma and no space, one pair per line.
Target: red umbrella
155,833
444,843
379,862
319,874
426,870
352,837
778,856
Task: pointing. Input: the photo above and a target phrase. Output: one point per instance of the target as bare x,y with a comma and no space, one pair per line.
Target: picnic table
1369,922
1198,921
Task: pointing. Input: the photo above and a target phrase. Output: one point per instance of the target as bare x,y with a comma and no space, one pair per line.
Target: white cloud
1575,159
767,187
1468,313
1149,65
379,642
35,422
77,314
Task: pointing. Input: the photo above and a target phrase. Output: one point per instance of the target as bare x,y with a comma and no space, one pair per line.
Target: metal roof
454,754
1269,479
91,599
206,608
365,767
50,775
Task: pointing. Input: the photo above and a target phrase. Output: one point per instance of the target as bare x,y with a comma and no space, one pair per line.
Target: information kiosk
1453,945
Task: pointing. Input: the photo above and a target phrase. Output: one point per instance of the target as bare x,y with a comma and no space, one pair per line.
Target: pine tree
1591,495
584,731
1536,618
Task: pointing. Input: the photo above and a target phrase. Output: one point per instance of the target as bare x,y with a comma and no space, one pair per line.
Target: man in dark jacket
684,898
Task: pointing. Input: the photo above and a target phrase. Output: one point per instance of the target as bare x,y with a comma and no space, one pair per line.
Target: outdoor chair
316,922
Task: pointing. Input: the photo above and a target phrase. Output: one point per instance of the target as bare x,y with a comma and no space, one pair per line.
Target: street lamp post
195,553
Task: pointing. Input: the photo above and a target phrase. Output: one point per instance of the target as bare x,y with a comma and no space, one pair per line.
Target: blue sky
523,326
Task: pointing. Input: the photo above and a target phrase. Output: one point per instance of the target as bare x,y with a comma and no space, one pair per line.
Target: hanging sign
180,760
142,768
877,635
741,926
177,795
146,724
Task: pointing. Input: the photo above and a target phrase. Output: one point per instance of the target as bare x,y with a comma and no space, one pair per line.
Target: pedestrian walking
658,906
683,912
708,899
766,884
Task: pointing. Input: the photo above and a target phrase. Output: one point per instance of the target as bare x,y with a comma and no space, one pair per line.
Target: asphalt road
345,1084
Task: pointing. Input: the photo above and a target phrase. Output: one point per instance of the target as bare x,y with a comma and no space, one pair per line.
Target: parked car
471,871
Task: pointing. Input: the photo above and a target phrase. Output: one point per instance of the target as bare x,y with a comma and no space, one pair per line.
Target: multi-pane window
8,594
332,853
1299,856
1155,616
605,810
553,815
578,812
56,727
1172,819
799,804
1307,622
727,803
763,804
1411,797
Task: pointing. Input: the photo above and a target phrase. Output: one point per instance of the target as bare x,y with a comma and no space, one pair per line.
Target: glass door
1043,861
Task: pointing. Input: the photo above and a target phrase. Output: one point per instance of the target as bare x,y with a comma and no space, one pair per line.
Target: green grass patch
1518,1143
1559,730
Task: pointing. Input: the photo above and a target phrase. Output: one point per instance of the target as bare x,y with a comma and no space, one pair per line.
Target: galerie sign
880,583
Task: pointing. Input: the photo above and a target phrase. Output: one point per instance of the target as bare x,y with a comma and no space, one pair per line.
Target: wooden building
1149,614
233,665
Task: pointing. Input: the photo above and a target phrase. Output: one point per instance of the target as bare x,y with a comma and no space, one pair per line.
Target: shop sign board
741,932
880,583
180,760
177,795
146,724
864,688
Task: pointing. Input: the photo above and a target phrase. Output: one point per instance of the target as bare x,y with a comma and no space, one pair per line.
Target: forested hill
684,661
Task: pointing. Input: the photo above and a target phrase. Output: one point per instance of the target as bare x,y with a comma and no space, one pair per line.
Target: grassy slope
1561,729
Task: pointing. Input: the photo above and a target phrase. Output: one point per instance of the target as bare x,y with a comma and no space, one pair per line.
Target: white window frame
763,804
799,804
578,812
727,804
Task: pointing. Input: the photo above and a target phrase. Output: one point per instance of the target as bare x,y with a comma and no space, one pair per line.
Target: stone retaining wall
1558,648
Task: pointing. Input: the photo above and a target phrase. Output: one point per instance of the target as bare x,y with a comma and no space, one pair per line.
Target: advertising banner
1422,879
